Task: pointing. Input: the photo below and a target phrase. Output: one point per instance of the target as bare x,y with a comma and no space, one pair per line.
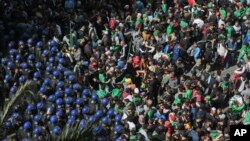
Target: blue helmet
68,100
20,43
18,57
37,130
118,118
46,81
67,73
11,44
118,128
85,110
60,84
51,98
105,120
53,119
62,61
51,59
45,53
72,78
30,107
71,121
98,114
58,93
21,79
39,105
111,112
43,89
24,65
13,89
97,130
73,112
4,61
79,101
56,130
94,97
15,115
38,65
68,91
37,118
92,119
59,101
30,41
53,49
7,124
82,124
105,101
31,57
49,69
27,125
59,55
37,75
12,52
39,44
10,64
60,68
8,77
59,113
56,73
85,92
52,43
76,86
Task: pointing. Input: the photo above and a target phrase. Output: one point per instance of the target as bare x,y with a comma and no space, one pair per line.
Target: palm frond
28,89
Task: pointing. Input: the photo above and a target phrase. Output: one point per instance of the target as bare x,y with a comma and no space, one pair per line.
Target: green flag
246,120
116,92
71,37
188,94
164,8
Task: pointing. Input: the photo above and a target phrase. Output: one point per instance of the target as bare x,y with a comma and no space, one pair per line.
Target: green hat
116,93
183,24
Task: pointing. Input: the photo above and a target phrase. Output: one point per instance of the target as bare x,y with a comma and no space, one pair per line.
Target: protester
142,70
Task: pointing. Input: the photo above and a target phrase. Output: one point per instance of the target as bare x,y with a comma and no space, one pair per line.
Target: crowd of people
138,70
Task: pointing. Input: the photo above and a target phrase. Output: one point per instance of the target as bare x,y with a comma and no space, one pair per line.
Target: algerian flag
164,8
183,24
101,93
116,93
177,100
246,120
165,56
188,94
169,30
236,104
71,36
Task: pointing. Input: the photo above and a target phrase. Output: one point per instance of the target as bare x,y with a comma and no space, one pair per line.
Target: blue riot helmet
53,119
24,65
118,118
39,44
37,75
98,114
60,84
72,78
59,55
27,125
15,115
67,73
97,129
71,120
73,112
85,92
49,69
118,128
46,81
18,57
56,73
68,91
20,43
4,61
38,65
52,98
85,110
56,130
92,119
11,45
58,93
79,101
60,68
31,57
62,61
8,77
37,118
53,49
39,105
12,52
21,79
104,101
10,65
7,124
68,100
30,42
94,97
59,102
43,89
45,53
76,86
52,43
110,112
30,108
105,120
37,130
13,89
51,59
59,113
